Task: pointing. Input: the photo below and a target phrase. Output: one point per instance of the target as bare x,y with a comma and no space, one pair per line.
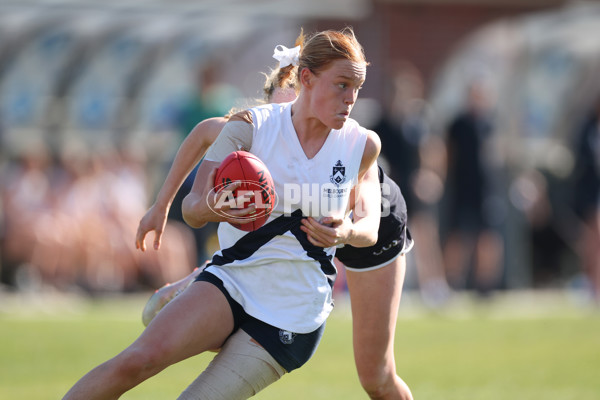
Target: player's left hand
328,232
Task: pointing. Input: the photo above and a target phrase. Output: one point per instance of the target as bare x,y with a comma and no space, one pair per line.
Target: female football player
375,274
270,288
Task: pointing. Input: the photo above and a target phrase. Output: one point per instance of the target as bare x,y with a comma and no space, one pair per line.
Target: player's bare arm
366,210
200,204
190,153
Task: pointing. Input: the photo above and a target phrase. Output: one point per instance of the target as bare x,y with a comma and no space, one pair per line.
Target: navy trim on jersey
252,241
317,254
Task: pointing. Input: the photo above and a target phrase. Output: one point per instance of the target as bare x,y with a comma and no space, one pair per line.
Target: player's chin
339,121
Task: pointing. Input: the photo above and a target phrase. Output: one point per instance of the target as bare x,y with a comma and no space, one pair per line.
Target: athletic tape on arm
236,135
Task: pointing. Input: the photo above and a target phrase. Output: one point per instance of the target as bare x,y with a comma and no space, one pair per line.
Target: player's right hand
155,220
207,205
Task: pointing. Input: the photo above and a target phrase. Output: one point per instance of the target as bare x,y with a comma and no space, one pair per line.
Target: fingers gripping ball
256,187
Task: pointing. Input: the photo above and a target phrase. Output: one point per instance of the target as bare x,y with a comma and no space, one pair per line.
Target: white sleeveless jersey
274,272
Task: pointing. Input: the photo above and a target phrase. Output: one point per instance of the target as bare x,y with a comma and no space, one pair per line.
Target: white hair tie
286,56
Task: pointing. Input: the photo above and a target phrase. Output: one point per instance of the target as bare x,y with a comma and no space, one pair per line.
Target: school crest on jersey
339,174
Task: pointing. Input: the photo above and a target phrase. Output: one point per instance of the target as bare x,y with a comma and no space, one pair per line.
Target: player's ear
306,77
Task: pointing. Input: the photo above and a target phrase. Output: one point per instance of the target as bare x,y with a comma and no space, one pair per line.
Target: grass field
521,346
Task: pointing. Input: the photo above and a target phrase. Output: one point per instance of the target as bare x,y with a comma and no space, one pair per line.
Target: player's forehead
348,70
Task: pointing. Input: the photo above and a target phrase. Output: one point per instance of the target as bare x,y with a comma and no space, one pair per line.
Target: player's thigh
375,298
197,320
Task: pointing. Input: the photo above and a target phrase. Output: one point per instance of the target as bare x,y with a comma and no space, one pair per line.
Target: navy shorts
291,350
393,236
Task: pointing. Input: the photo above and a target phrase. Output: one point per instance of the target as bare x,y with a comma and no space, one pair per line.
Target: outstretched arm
189,154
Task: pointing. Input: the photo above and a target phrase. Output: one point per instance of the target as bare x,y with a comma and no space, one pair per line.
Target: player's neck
308,127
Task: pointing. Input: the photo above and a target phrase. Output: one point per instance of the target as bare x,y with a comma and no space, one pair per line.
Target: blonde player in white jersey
375,273
225,300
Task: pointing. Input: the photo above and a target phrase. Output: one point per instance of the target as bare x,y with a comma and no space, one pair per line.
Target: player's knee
376,379
382,382
374,386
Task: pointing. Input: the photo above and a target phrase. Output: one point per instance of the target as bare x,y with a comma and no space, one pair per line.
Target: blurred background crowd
488,113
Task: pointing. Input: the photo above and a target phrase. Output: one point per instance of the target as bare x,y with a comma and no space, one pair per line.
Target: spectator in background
403,125
586,198
212,98
547,239
25,190
415,160
122,180
474,212
68,223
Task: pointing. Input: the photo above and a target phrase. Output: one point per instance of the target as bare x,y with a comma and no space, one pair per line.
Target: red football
256,180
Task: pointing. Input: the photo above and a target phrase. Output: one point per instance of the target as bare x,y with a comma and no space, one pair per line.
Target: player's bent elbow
371,239
366,239
189,214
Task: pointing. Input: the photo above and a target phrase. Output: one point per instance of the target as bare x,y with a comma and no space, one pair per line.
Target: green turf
456,355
